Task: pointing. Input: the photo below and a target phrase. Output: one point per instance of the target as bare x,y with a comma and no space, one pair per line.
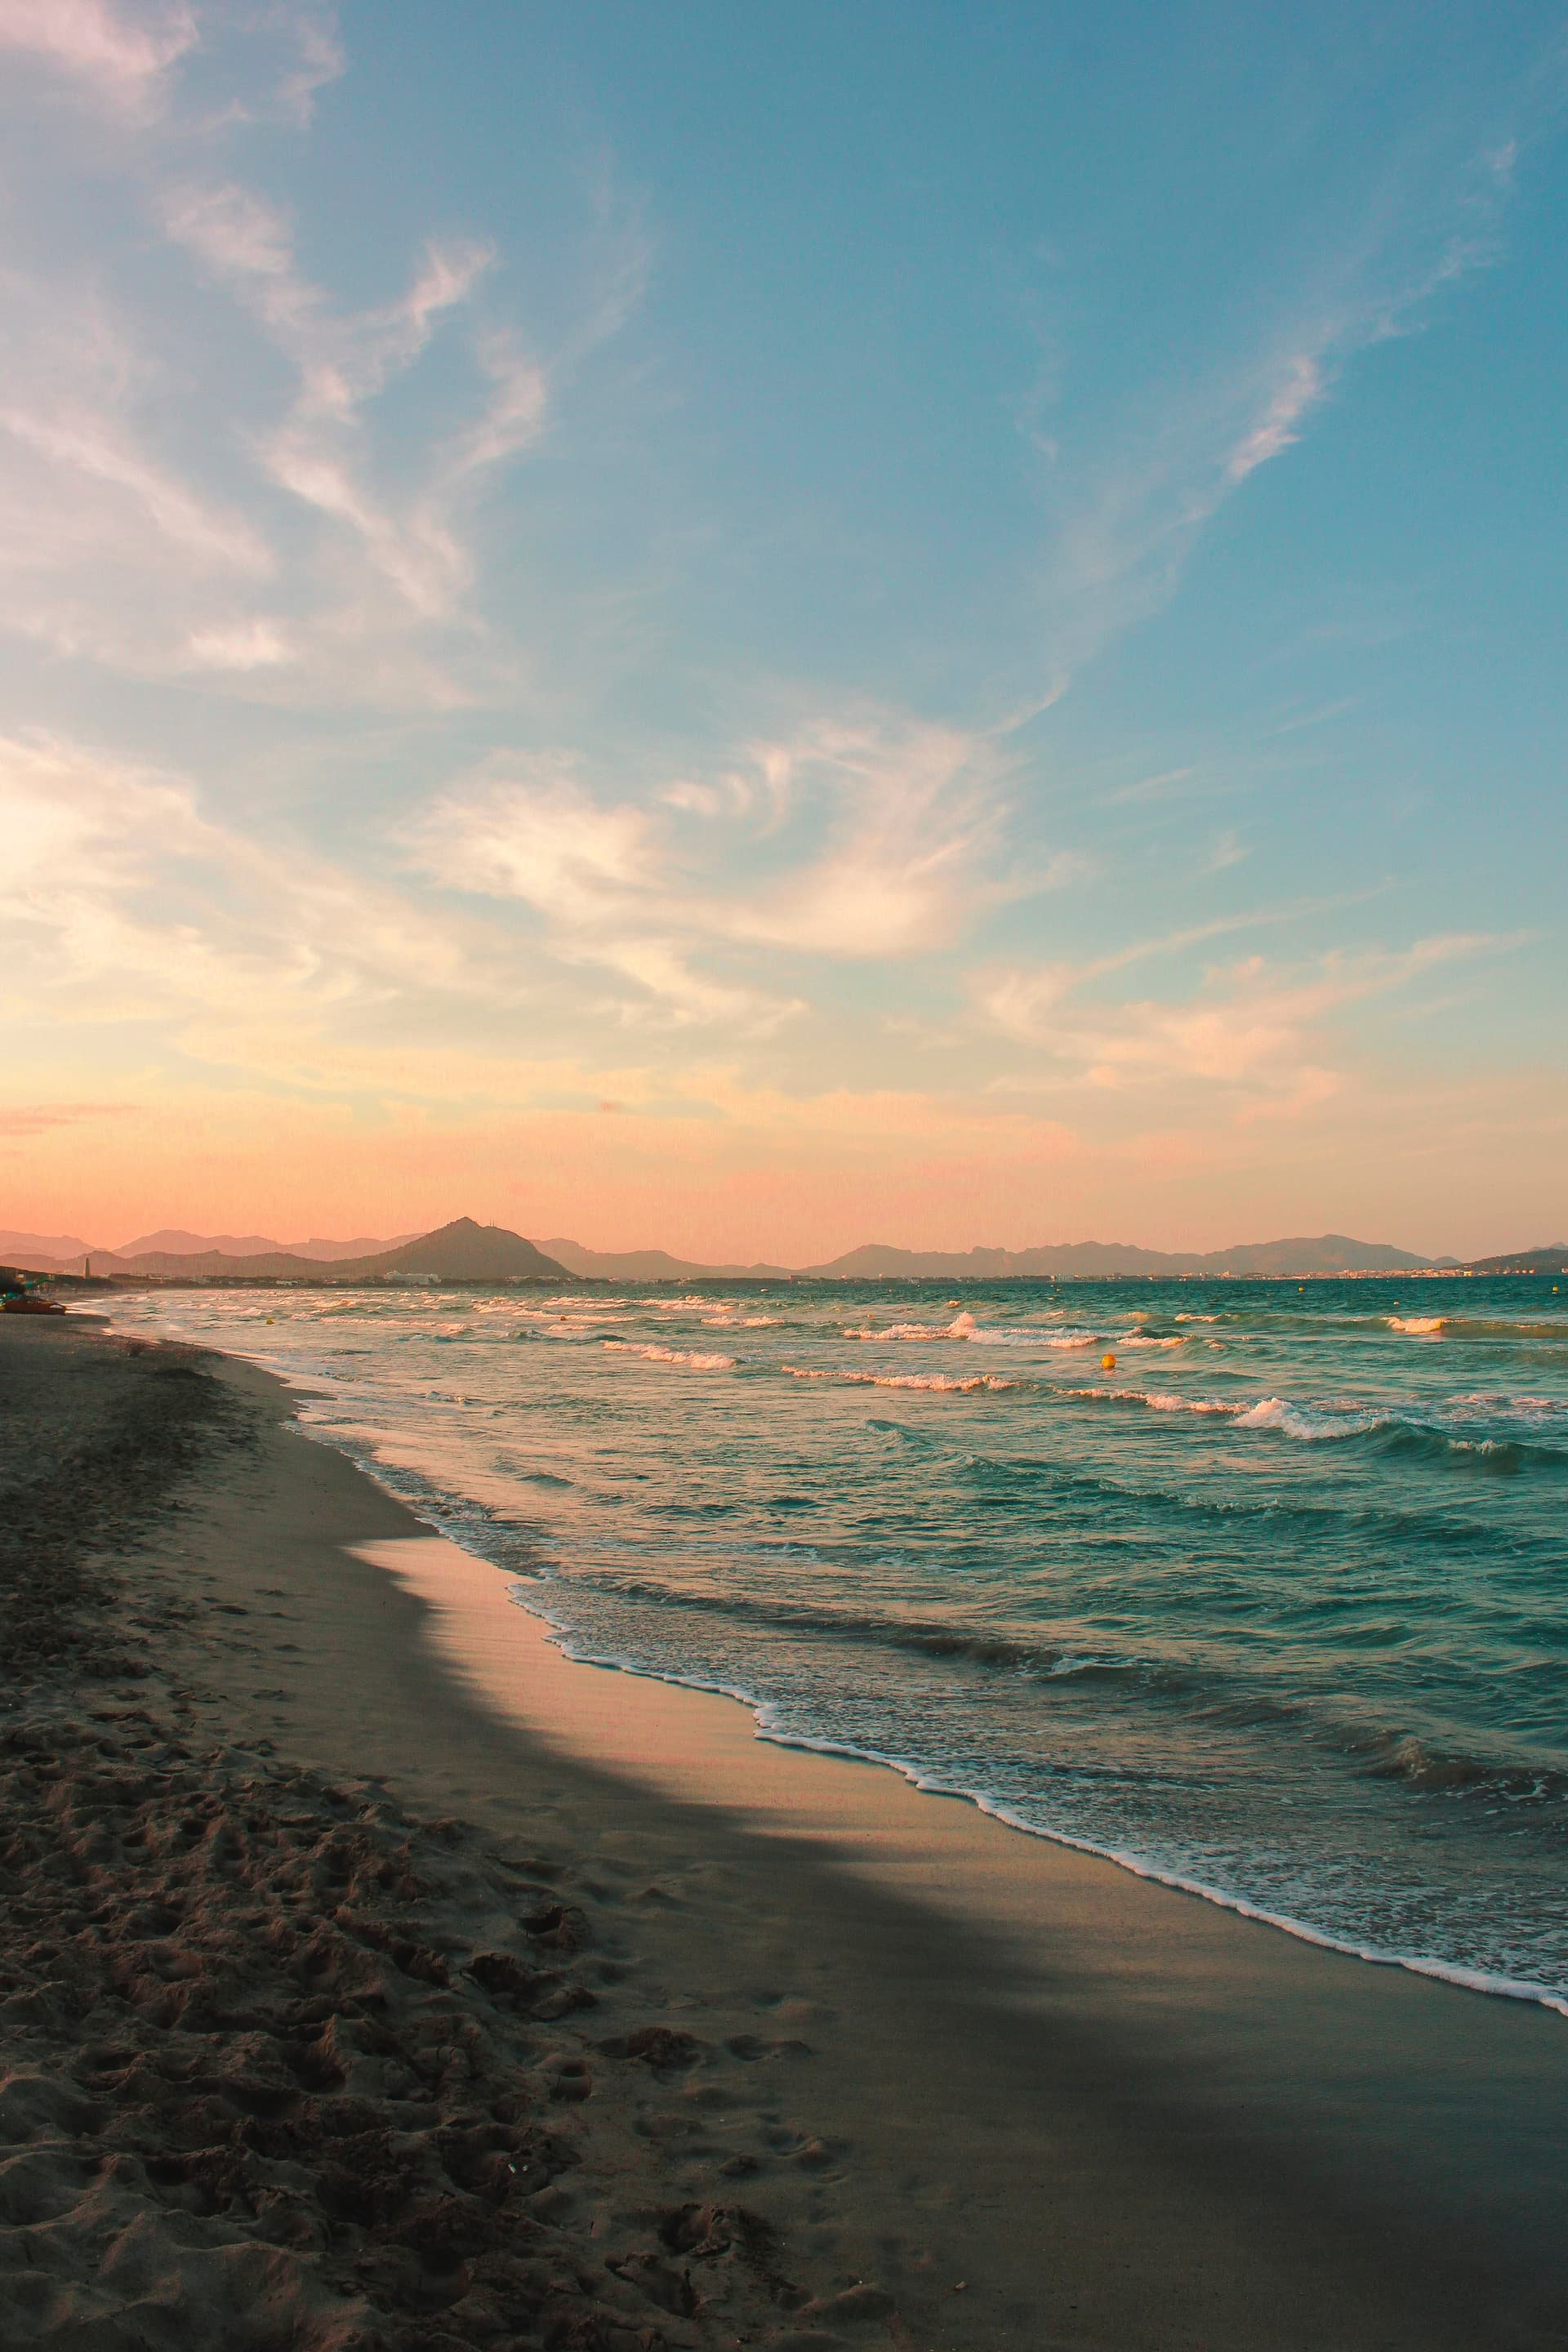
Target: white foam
1157,1400
1420,1326
964,1327
693,1360
933,1781
937,1383
960,1327
1303,1422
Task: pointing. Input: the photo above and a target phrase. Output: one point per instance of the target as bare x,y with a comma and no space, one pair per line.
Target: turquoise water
1274,1608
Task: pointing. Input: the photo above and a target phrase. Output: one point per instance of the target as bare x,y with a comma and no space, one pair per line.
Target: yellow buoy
1107,1363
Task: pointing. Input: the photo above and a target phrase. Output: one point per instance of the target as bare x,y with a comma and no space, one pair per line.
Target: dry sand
370,1975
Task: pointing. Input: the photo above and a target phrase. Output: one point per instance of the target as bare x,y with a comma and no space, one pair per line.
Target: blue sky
762,627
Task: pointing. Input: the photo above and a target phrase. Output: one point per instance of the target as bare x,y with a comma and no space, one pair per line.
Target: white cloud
1132,504
106,547
908,815
343,360
121,899
541,839
1299,385
119,55
95,448
318,59
869,838
1227,849
206,479
250,644
1254,1028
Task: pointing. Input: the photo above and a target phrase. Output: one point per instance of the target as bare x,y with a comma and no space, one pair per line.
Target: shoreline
1098,2112
1454,1974
1447,1972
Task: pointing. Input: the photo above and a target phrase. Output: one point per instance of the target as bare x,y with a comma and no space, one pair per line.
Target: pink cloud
121,55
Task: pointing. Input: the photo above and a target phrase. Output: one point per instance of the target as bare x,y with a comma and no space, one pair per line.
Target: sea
1256,1588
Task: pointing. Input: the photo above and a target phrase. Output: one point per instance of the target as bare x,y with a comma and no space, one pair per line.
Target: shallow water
1274,1607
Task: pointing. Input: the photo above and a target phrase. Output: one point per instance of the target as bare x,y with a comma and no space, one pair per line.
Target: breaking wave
695,1359
1318,1424
943,1383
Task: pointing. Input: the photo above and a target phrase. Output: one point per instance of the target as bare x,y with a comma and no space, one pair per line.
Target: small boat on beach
15,1298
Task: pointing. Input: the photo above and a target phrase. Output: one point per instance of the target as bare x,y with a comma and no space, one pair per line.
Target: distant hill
651,1265
172,1243
460,1252
174,1252
880,1262
1553,1259
45,1251
467,1252
1325,1253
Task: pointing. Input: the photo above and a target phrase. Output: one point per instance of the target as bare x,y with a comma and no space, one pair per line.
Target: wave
1441,1531
740,1322
694,1360
1331,1425
1452,1772
1467,1327
960,1327
1383,1752
1471,1327
943,1383
931,1780
1157,1401
927,1636
964,1327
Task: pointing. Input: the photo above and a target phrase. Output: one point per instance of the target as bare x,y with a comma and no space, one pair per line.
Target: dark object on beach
15,1298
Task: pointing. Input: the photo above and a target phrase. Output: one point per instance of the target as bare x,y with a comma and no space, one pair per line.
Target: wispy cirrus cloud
22,1119
343,360
120,58
856,839
1255,1031
233,499
1128,512
122,900
107,547
120,55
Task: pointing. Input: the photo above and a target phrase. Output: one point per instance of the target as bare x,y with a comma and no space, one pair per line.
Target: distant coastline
465,1251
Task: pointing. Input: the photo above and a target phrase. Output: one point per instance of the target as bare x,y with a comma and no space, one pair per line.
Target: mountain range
460,1252
50,1253
464,1251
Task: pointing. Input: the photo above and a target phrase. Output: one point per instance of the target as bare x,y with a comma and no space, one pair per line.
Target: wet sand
976,2089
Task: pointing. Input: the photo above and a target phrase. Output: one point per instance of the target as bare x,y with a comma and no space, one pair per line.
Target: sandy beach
370,1975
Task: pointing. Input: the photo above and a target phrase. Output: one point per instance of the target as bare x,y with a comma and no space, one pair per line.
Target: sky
750,629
